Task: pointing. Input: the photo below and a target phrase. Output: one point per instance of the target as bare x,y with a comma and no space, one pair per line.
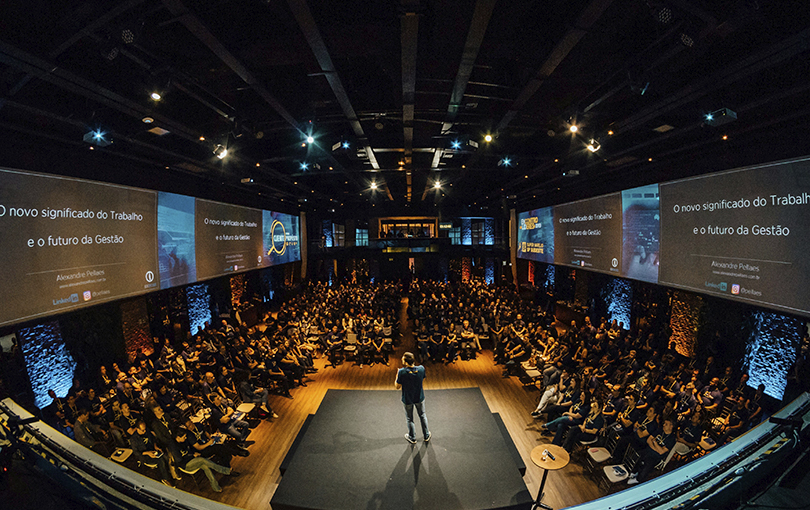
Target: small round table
559,461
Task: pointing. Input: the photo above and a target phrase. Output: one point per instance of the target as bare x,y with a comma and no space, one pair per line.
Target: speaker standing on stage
410,378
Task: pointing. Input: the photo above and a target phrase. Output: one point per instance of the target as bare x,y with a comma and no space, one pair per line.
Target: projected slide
176,254
68,243
536,235
588,234
228,238
741,234
280,235
641,233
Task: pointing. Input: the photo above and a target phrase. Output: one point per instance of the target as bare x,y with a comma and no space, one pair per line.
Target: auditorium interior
224,223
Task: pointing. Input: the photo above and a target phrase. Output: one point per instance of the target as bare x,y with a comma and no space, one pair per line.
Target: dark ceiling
402,83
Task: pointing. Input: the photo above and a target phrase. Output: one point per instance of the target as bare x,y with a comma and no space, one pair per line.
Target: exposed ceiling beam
89,29
409,23
306,22
584,22
475,36
201,32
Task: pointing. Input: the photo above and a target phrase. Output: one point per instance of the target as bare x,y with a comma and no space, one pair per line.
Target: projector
97,138
720,117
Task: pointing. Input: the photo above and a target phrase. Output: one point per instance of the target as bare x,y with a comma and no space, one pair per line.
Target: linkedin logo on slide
722,286
73,298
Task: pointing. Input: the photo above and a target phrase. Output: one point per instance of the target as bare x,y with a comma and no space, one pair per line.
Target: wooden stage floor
260,475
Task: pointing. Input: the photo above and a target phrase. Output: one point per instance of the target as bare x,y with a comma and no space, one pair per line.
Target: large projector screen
536,235
68,243
588,234
741,234
229,238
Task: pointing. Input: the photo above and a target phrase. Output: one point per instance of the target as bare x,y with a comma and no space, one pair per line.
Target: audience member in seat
222,415
657,449
148,452
191,460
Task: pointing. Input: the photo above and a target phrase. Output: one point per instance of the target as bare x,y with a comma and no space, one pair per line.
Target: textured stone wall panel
135,326
771,351
684,321
198,298
47,361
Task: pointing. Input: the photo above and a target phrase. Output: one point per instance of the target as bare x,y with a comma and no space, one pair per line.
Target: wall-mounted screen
68,243
741,234
176,243
280,238
228,238
588,234
641,226
536,235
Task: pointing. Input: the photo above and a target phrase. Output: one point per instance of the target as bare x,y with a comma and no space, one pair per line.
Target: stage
352,455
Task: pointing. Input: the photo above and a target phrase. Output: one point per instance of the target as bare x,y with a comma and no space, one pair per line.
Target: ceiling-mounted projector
720,117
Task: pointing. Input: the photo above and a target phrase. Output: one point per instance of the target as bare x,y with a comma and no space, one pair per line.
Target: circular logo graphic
150,276
273,247
615,262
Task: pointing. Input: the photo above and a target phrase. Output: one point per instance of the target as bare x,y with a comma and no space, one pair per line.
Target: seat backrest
351,338
612,441
631,458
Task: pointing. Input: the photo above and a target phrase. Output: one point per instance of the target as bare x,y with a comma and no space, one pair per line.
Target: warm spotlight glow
594,145
573,128
155,95
488,138
725,137
148,120
373,185
220,151
202,138
610,133
437,185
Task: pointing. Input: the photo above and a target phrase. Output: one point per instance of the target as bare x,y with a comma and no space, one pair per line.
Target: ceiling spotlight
202,138
345,145
505,162
709,117
610,133
373,185
573,128
456,145
304,165
148,120
594,145
725,137
155,96
488,138
220,151
310,139
437,185
109,51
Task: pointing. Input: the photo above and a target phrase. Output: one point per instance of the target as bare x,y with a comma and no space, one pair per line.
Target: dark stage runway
353,456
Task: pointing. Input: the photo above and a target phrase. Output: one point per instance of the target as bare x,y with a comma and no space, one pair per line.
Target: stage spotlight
148,120
310,139
155,96
345,145
437,185
505,162
610,133
708,117
573,128
220,151
594,145
456,145
373,185
304,165
488,138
